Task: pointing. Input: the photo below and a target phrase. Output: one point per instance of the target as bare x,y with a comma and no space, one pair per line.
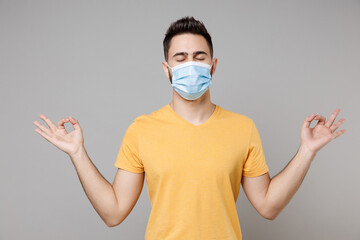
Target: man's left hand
313,139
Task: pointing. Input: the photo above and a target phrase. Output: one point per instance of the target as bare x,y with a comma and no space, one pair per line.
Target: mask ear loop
168,70
211,66
168,65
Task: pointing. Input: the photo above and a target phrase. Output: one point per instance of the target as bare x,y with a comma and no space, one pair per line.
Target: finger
42,128
43,134
75,123
332,118
336,125
321,119
338,133
308,120
62,122
48,122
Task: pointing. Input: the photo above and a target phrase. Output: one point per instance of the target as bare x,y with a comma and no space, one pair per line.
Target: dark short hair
186,25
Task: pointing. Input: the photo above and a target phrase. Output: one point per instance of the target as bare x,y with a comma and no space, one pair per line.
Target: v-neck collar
209,120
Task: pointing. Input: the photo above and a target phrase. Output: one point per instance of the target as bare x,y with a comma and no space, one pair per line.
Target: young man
194,153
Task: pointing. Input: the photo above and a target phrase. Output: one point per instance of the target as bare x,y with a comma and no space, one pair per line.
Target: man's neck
195,111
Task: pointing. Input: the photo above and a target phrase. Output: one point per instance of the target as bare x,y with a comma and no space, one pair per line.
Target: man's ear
166,69
213,68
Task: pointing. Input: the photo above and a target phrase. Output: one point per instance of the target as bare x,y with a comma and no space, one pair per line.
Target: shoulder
150,118
239,118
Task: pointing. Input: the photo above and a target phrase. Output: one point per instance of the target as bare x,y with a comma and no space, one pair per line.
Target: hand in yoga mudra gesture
315,138
70,142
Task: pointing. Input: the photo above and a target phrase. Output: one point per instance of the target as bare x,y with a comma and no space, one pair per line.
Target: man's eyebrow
199,52
180,53
185,53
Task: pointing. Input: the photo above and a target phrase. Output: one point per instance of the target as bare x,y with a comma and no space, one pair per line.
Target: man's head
187,40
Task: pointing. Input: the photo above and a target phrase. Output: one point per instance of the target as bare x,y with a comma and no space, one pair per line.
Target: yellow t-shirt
193,172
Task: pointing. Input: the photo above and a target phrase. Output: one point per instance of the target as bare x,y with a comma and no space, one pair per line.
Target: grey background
100,61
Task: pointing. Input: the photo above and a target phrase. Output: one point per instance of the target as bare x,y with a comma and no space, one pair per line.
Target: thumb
75,123
308,120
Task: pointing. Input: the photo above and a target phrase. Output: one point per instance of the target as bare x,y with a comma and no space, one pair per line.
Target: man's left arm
270,196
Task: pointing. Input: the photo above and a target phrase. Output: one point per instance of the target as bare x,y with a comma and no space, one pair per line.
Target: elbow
270,217
112,223
114,218
270,214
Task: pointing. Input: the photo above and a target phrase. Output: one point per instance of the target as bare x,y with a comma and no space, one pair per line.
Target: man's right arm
113,202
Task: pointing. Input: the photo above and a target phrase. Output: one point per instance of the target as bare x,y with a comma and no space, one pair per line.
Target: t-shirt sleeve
255,164
128,156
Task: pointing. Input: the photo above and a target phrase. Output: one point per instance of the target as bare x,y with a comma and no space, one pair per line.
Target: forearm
98,190
283,186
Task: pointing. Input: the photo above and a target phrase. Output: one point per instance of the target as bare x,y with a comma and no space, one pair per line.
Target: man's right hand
71,143
113,202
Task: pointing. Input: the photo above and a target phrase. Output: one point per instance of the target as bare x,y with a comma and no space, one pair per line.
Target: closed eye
200,59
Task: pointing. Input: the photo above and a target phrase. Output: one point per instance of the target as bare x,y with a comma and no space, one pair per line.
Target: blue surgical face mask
191,79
